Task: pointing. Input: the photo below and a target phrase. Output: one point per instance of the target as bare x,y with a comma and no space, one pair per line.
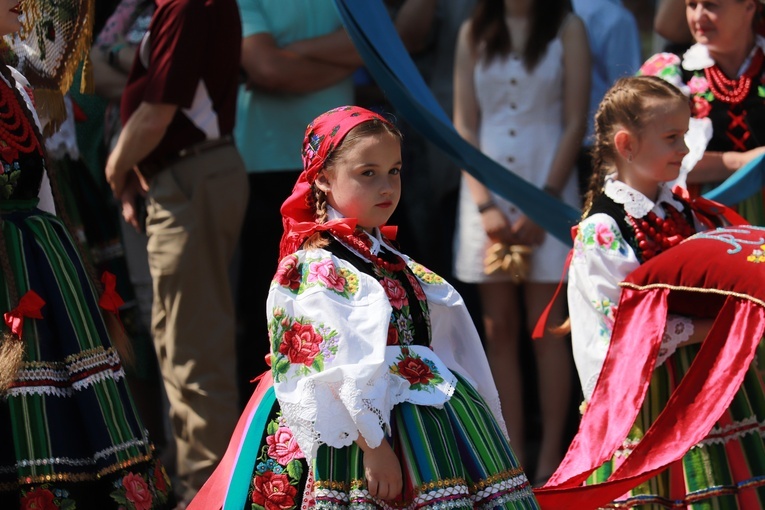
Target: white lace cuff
678,330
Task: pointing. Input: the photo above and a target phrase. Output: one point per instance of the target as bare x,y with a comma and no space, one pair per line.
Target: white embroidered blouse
335,376
602,259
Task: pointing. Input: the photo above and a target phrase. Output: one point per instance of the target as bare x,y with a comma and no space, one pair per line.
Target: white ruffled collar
635,203
697,57
375,236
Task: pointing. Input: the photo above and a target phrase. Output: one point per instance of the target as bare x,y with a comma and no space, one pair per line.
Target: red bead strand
362,247
731,91
655,235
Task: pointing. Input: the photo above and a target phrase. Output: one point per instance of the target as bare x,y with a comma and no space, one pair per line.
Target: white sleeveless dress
521,123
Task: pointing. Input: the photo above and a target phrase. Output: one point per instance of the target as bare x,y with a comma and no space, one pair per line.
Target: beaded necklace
655,235
362,244
730,91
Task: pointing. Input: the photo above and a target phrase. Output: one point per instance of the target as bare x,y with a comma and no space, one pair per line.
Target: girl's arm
382,470
466,119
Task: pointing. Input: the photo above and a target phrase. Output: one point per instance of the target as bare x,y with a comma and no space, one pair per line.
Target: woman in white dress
521,96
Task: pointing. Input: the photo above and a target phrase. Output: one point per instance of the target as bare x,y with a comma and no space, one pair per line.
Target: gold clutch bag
511,259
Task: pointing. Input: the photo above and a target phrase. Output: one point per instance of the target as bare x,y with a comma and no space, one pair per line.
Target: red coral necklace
655,235
733,91
361,243
15,131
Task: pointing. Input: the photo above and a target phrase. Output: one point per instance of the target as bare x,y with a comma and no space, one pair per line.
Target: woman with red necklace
724,76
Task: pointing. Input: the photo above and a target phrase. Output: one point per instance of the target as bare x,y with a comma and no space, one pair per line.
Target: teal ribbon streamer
243,468
745,182
370,28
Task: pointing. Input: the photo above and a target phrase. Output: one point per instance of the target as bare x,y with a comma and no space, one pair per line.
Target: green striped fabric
726,471
76,438
454,457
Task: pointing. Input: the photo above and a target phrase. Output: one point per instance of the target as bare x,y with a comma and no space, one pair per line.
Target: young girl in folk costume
384,395
632,215
69,433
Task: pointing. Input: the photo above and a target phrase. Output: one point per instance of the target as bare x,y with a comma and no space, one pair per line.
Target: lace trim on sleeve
336,413
678,330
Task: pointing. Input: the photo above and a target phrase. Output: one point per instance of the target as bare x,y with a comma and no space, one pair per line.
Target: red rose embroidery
700,107
283,446
396,293
273,491
38,499
137,491
415,371
300,344
287,275
392,335
417,287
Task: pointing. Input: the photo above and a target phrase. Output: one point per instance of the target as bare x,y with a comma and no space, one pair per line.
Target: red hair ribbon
322,136
110,300
29,306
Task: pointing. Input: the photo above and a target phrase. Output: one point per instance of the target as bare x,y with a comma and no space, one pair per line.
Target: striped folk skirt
453,457
726,471
70,436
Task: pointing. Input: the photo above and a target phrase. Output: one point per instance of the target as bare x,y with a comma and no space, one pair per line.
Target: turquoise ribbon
744,183
236,495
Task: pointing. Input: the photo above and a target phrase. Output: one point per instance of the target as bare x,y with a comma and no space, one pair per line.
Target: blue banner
369,25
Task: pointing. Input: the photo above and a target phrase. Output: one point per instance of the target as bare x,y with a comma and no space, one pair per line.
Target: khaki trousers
195,213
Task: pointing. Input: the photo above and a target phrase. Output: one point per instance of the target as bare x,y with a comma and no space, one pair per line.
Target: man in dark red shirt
178,112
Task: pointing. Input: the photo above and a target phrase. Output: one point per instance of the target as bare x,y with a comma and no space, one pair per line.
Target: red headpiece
322,136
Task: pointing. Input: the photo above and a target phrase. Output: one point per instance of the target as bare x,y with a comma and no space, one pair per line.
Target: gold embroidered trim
75,477
692,289
494,479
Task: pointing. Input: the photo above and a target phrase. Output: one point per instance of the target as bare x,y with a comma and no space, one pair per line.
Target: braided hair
626,105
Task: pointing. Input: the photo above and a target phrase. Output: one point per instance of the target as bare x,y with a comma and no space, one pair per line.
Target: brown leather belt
151,169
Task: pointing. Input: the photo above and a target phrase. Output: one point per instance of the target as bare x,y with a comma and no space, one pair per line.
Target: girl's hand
527,232
383,472
496,226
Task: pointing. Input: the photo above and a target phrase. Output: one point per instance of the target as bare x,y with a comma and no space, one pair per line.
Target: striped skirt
70,436
454,457
726,471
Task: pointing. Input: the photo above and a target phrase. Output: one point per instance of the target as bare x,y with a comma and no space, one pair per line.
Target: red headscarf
322,136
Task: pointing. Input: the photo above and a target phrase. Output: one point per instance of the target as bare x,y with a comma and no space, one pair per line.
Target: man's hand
133,187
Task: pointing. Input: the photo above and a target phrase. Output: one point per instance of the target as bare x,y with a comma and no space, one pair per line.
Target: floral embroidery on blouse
296,342
602,235
421,374
401,319
757,256
425,274
278,470
320,272
606,310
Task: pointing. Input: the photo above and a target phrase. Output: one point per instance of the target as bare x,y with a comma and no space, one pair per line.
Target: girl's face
721,25
365,181
10,10
658,150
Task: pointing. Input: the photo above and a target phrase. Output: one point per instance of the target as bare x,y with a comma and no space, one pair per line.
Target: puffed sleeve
334,374
602,258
